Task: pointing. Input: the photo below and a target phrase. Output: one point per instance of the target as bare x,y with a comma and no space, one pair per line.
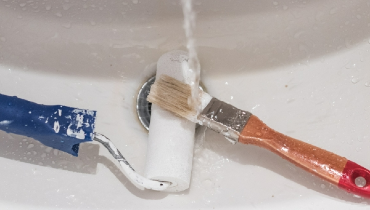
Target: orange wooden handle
327,165
320,162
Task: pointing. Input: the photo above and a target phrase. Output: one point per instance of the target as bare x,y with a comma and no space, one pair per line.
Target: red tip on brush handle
327,165
349,174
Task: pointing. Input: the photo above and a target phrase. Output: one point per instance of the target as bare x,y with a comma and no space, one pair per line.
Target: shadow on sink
27,150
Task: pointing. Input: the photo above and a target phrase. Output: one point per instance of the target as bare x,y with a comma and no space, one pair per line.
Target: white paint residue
81,111
56,126
6,122
89,112
80,120
60,112
77,111
79,134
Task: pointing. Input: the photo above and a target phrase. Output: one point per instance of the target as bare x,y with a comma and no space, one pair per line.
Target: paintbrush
242,126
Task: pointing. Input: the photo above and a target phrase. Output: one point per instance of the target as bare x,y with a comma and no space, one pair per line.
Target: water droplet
92,23
70,196
208,183
48,7
48,149
231,97
333,10
135,1
30,146
67,25
298,34
58,14
302,47
275,3
285,7
323,186
350,65
66,7
319,16
367,84
348,42
355,80
23,4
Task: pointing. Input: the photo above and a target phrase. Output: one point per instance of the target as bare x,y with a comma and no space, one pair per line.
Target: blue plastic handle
59,127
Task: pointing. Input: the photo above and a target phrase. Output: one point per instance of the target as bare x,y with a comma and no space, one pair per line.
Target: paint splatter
6,122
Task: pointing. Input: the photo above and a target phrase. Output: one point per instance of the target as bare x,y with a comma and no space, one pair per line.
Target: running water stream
207,164
192,70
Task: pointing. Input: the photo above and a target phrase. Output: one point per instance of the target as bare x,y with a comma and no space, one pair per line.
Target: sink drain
144,107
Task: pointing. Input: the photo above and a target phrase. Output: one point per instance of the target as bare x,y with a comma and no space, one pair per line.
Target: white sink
301,66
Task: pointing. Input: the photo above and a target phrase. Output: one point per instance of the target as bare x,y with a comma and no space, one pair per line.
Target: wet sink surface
301,66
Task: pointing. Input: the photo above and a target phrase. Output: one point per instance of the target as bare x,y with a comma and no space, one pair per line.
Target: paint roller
171,138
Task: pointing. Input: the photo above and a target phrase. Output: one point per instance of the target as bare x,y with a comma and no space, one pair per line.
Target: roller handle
327,165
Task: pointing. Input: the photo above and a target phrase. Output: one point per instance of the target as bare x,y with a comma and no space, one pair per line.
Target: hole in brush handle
350,173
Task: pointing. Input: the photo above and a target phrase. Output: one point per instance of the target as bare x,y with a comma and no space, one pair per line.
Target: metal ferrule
224,118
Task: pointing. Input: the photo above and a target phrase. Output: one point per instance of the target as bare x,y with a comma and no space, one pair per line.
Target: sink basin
301,66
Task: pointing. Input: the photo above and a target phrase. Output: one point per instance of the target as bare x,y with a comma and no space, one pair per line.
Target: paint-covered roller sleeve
59,127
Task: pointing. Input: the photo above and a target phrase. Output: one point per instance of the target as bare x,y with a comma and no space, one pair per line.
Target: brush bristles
172,95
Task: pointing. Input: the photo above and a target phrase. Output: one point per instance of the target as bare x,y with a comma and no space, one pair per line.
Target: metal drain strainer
144,107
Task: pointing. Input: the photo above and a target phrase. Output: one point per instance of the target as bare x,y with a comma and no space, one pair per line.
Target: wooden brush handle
327,165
